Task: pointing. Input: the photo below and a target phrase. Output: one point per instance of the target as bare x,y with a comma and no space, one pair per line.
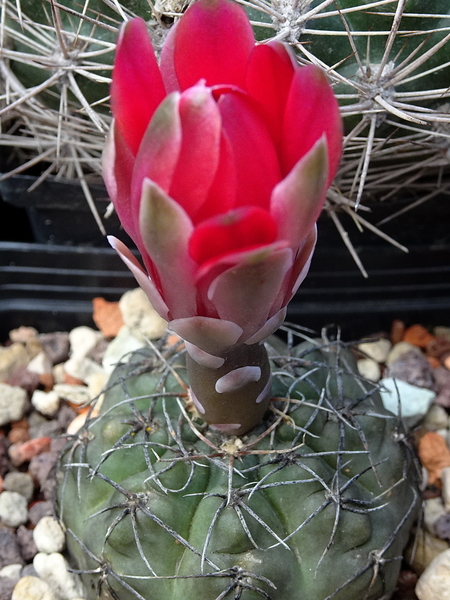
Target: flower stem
233,397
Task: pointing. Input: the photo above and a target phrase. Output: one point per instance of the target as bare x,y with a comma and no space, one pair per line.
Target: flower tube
218,163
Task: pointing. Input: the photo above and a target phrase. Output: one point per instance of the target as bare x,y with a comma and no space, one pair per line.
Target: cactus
315,502
212,469
389,63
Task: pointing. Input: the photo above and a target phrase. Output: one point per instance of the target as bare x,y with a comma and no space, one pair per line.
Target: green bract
316,503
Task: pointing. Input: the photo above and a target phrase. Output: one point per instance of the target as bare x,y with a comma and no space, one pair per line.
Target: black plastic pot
414,287
51,287
58,212
50,284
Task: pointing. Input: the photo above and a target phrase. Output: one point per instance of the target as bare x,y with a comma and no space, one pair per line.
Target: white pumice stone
49,536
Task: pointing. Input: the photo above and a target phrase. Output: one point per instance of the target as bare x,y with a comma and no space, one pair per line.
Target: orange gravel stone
418,336
72,380
23,452
434,455
173,339
107,316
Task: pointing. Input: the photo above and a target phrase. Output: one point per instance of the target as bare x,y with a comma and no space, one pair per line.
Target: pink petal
117,161
269,77
297,200
245,293
222,193
141,276
167,65
158,154
214,336
200,149
137,87
255,158
241,229
311,111
213,41
165,230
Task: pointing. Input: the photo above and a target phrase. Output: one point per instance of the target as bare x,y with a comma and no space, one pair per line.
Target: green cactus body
315,503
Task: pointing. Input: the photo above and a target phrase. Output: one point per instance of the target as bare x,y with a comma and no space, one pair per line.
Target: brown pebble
18,435
47,381
439,347
27,545
397,331
56,345
446,362
442,527
433,362
23,452
406,581
442,378
25,379
4,460
434,455
19,431
107,316
23,423
418,336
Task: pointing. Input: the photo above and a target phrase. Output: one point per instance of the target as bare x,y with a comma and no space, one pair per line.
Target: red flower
218,164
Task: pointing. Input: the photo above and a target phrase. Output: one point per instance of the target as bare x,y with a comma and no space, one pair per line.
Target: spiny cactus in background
316,502
389,61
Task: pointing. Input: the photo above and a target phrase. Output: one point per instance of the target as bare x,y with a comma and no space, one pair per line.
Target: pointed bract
297,200
245,293
165,229
214,336
160,148
118,162
141,277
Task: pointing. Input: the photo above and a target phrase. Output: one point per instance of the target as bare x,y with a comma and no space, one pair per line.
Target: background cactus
316,502
389,62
